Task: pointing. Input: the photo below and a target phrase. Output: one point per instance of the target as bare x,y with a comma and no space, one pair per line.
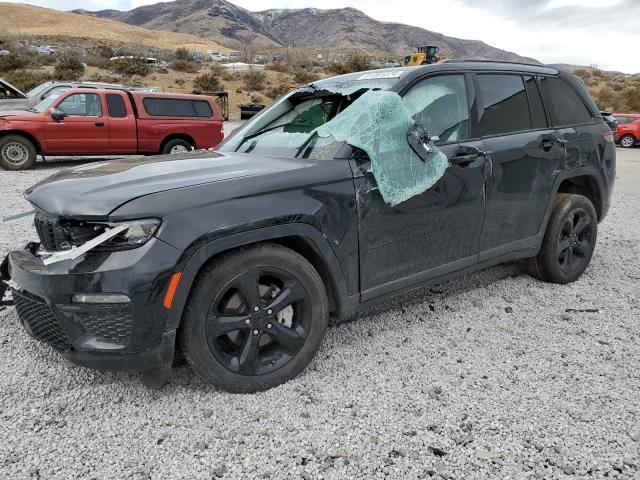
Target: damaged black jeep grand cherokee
342,193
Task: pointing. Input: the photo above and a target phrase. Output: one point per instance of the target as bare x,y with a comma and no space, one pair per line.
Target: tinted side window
440,104
172,107
116,106
538,117
565,105
506,108
203,109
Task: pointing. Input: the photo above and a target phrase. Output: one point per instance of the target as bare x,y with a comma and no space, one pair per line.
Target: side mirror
57,114
420,141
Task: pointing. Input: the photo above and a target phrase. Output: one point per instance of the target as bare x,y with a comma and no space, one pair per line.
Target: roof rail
480,60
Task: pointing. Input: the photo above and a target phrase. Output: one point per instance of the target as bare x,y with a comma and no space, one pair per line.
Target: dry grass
26,20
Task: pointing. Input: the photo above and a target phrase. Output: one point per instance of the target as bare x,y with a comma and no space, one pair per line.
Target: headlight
138,233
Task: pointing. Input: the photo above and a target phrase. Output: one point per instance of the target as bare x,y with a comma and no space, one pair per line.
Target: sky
605,33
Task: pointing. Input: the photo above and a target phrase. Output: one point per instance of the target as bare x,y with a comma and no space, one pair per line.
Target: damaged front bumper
101,310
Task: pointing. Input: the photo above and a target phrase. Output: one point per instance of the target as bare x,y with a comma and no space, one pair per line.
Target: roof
399,75
146,94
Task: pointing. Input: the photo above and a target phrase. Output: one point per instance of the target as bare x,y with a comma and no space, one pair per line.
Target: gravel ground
489,376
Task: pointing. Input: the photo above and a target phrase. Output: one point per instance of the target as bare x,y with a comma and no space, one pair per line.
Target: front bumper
127,336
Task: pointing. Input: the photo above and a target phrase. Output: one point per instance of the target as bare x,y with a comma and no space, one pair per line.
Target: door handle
462,159
99,124
547,145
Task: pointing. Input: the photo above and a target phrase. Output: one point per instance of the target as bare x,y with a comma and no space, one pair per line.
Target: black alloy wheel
575,245
255,318
259,321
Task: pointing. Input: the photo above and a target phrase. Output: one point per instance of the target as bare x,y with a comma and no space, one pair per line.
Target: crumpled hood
96,189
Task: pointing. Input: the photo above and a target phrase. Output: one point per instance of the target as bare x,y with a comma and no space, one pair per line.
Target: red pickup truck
108,122
628,129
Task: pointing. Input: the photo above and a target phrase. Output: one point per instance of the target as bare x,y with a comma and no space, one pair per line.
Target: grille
108,323
45,228
40,320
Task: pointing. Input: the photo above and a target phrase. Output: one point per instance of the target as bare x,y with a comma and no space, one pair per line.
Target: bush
130,67
304,76
184,66
25,80
183,53
355,62
254,80
207,82
98,62
12,62
277,91
279,67
68,68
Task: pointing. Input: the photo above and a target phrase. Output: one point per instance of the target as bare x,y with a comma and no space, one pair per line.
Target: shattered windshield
315,123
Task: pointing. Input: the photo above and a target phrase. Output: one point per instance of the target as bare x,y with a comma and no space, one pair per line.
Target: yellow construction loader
424,56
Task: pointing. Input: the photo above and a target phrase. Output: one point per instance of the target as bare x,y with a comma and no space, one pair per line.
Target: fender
30,136
211,249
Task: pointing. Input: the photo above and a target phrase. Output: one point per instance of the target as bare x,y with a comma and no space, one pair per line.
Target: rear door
525,155
123,132
83,130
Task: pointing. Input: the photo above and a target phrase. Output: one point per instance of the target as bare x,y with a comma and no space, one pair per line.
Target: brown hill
309,27
26,20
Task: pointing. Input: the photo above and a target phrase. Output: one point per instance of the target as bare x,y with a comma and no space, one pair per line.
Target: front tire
255,319
17,153
569,241
177,146
628,141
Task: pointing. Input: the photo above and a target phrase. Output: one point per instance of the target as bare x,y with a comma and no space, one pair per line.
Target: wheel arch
176,136
301,238
26,135
587,186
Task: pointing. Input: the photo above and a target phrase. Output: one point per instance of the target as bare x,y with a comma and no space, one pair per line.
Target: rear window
566,106
506,107
116,106
538,117
173,107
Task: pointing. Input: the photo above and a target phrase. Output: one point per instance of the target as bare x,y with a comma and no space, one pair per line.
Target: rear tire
255,319
177,146
17,153
628,141
569,241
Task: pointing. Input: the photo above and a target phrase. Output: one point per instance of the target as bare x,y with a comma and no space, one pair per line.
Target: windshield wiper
306,143
257,134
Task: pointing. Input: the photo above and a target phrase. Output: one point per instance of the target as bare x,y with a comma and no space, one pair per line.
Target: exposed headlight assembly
138,233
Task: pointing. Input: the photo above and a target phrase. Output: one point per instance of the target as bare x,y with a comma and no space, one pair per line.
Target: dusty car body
341,194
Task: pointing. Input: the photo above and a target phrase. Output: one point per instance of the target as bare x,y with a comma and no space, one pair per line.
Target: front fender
310,234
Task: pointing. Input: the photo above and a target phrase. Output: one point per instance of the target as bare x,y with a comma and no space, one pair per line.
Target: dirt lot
494,375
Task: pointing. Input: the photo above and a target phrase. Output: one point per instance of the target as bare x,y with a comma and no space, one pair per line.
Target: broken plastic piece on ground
378,123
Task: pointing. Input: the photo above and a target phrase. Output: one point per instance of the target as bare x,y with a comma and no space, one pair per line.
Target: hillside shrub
254,80
68,68
207,82
12,62
130,67
25,80
184,66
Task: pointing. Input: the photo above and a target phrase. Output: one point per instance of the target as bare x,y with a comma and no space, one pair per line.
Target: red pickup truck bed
109,122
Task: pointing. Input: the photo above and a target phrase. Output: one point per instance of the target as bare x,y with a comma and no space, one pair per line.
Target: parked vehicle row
82,121
318,206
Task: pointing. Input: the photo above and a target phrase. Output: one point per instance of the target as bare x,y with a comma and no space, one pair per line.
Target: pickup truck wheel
177,146
17,153
255,319
628,141
569,241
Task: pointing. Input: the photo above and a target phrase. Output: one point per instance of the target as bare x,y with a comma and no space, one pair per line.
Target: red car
628,129
108,122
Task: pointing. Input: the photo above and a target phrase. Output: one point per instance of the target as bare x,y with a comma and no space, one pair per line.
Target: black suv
341,194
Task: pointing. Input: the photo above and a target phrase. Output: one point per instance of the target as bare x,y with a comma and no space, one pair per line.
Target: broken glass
378,123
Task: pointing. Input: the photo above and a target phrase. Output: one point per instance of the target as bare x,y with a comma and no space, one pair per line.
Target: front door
83,130
435,232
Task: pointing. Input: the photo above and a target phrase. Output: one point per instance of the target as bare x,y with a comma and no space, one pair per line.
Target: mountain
346,28
26,21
